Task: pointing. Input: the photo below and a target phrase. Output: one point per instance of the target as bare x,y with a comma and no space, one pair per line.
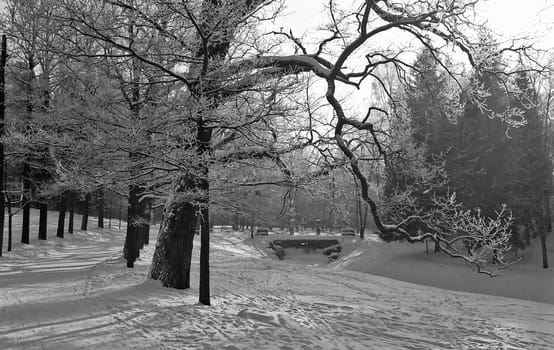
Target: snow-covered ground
76,293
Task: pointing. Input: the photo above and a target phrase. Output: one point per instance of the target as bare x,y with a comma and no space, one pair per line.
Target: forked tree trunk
172,257
84,221
43,220
137,225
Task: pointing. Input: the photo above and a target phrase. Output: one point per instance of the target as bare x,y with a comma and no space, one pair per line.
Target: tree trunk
204,137
361,216
71,211
292,212
147,216
137,218
547,221
10,215
100,206
43,221
544,250
172,257
26,203
437,247
252,224
3,57
204,292
134,232
137,225
2,219
62,207
84,221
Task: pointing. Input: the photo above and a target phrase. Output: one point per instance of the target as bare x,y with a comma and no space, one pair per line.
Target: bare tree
214,52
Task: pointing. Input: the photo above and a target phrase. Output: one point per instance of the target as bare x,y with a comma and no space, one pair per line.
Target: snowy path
78,294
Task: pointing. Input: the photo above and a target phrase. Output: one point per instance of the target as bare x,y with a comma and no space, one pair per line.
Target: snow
76,293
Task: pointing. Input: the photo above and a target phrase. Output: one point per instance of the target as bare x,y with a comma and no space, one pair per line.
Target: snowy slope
410,263
77,293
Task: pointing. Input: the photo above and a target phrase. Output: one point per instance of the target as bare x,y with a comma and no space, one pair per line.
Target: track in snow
79,294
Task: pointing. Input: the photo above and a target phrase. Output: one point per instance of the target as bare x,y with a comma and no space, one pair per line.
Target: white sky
516,18
506,17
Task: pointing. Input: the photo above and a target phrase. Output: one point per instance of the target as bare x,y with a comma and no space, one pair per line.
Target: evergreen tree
531,190
415,174
477,165
499,153
425,102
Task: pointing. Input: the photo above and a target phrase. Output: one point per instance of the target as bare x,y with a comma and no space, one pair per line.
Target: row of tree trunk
66,203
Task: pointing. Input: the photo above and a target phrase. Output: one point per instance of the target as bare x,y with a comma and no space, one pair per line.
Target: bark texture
43,221
171,261
26,203
100,207
84,221
134,238
62,207
71,212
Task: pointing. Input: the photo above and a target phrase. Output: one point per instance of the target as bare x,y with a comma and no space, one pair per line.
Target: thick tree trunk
71,211
84,221
62,207
172,257
137,225
43,221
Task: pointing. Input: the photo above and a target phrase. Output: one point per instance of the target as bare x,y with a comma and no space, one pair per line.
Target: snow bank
78,294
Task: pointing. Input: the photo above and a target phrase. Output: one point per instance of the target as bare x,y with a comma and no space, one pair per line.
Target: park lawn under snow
76,293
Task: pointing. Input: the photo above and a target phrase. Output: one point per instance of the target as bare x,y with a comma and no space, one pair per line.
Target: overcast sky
506,17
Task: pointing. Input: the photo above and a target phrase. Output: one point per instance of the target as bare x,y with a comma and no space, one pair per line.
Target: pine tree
414,175
477,165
